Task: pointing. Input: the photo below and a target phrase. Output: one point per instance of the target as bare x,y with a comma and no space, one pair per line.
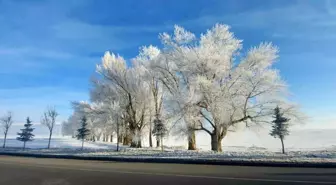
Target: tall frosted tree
280,127
148,56
125,84
26,133
216,85
83,132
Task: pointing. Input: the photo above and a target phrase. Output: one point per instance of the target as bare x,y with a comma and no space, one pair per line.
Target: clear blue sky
49,48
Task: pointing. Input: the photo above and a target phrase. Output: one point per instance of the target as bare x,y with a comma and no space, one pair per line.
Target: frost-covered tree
106,116
83,131
149,56
6,123
112,111
280,127
49,120
214,86
74,121
127,84
26,133
207,83
84,109
172,71
66,128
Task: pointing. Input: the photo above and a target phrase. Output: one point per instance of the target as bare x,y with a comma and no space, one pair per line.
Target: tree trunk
120,138
24,145
126,141
150,135
132,135
161,143
49,139
4,144
135,138
157,142
283,146
117,145
127,137
118,135
191,140
118,141
82,144
111,138
216,142
134,141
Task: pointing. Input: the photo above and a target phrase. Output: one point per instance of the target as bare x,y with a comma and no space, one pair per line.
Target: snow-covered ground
256,145
299,139
69,146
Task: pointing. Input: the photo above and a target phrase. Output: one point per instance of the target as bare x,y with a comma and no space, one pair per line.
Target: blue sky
49,48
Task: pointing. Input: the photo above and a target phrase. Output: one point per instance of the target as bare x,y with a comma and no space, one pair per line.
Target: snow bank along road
33,171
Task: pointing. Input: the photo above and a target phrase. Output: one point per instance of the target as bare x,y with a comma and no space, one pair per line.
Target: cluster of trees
48,119
190,84
25,134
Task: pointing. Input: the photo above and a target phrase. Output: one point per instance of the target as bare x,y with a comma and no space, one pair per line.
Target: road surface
37,171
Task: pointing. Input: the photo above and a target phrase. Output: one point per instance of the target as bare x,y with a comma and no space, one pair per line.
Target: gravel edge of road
182,160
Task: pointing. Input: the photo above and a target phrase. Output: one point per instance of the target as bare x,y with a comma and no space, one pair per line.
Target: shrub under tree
26,133
280,127
83,132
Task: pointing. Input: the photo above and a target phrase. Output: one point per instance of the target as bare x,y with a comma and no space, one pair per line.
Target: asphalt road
33,171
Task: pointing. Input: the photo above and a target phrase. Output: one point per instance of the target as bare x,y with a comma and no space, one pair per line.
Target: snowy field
69,146
302,145
299,139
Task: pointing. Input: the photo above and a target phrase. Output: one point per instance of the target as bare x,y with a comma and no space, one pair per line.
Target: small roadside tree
160,130
49,119
280,127
83,132
26,133
6,123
